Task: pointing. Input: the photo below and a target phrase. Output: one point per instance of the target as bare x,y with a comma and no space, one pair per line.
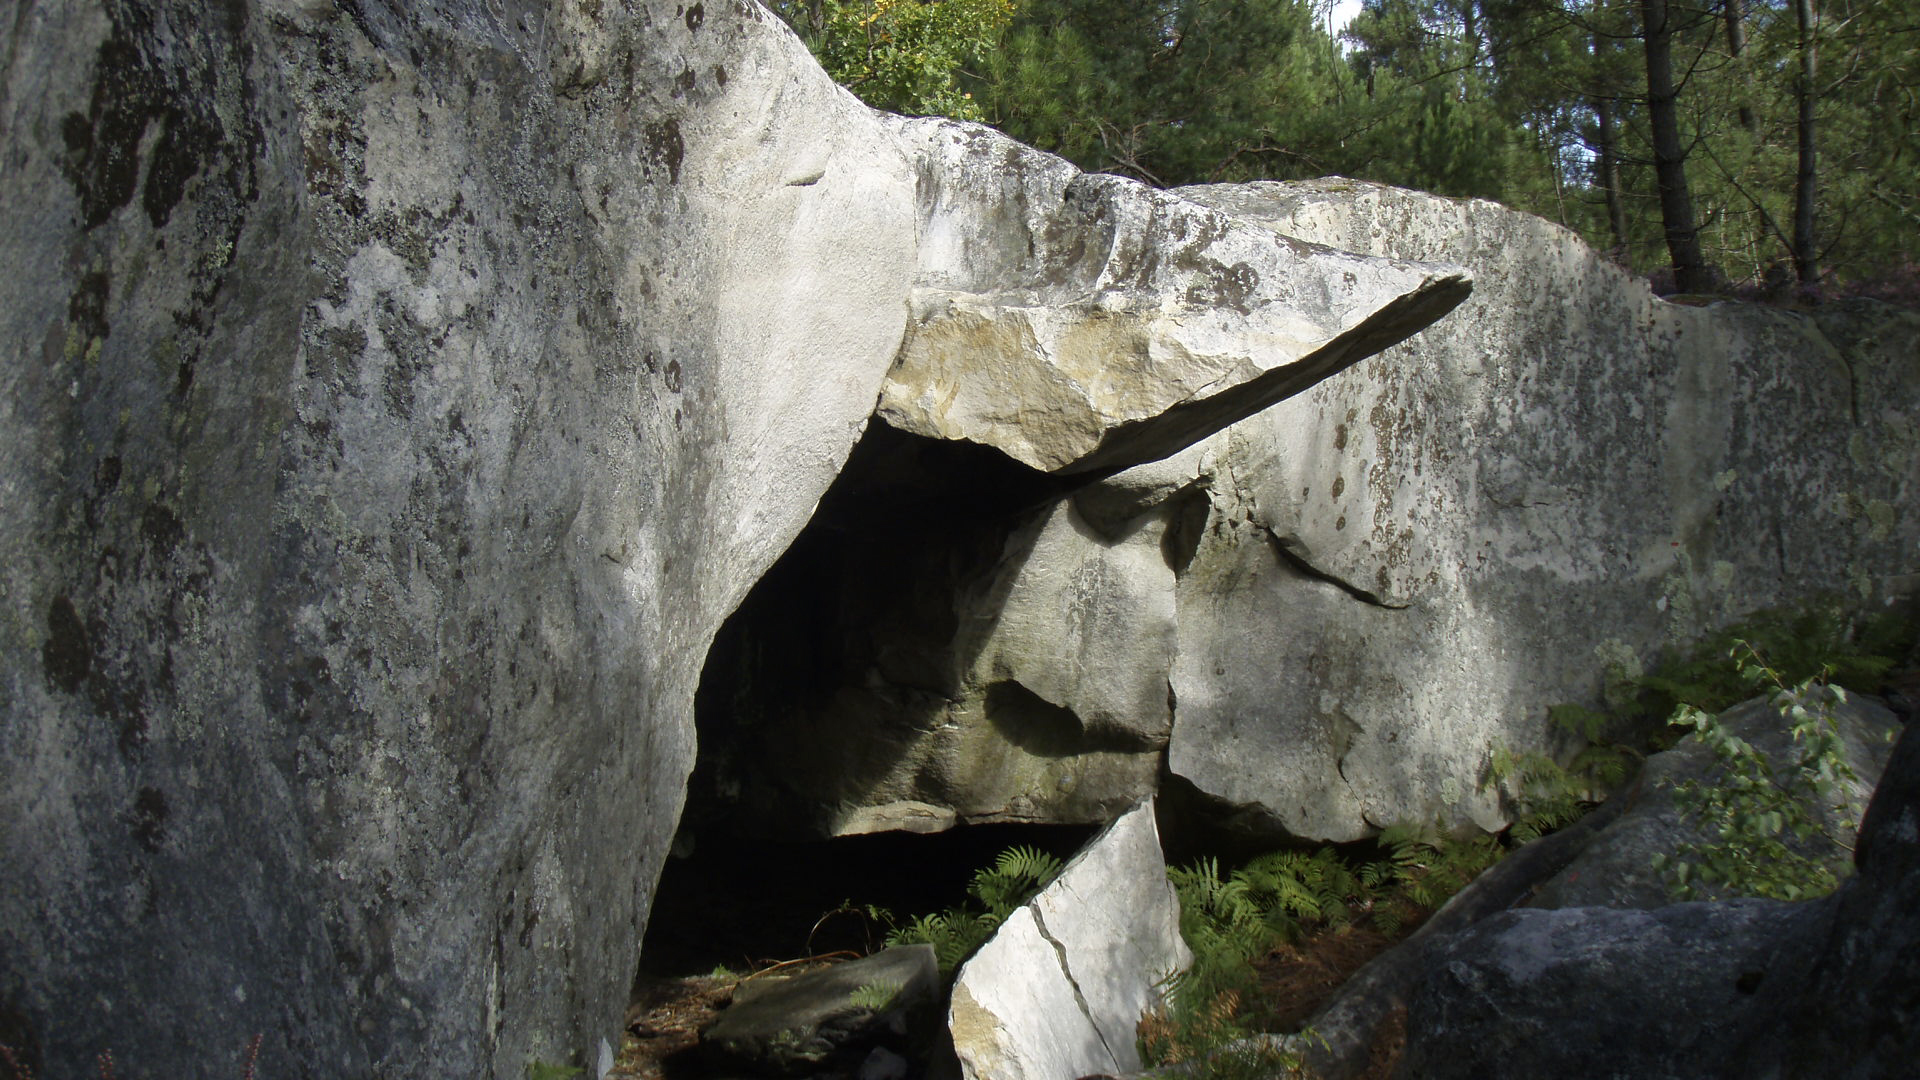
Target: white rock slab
1058,991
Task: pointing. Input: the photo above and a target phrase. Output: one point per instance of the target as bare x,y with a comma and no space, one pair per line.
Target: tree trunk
1736,47
1805,255
1607,154
1609,163
1690,270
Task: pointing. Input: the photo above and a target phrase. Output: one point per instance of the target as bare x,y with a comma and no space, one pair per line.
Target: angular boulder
1058,990
1730,988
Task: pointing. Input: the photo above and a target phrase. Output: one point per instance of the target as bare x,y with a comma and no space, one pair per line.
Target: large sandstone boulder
400,396
1083,323
397,398
1058,990
1399,568
1325,616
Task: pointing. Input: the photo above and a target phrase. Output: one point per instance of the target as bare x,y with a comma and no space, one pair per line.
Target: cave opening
816,698
829,802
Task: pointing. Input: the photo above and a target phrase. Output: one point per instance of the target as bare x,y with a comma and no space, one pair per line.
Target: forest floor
1295,980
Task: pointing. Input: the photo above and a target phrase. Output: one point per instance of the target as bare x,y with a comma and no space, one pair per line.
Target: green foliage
1425,868
1544,795
1229,921
1817,641
540,1070
903,55
999,890
1754,812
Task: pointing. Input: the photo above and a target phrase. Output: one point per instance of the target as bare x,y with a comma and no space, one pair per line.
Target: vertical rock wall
1564,479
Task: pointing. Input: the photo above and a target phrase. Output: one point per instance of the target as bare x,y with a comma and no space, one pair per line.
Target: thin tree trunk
1736,47
1805,255
1690,270
1608,151
1610,176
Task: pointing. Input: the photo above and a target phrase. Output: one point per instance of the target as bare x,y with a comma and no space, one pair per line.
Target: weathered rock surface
398,399
1564,477
831,1020
391,412
1058,990
1616,868
1860,1015
1082,322
1731,988
1594,992
1374,582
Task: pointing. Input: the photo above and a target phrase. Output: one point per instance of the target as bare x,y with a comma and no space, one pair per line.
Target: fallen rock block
1059,989
831,1019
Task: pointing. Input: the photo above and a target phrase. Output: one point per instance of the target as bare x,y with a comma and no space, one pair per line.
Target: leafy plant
1755,812
540,1070
904,55
1817,641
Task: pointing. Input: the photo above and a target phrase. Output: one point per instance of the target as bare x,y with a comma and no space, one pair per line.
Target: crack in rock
1286,549
1079,997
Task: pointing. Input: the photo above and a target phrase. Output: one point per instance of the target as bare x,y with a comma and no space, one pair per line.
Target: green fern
958,932
1014,877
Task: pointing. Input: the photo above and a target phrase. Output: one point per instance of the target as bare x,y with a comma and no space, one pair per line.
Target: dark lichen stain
674,375
175,161
1225,286
696,15
686,82
87,307
1339,485
106,475
103,143
529,918
720,74
66,655
147,821
665,147
161,528
1340,436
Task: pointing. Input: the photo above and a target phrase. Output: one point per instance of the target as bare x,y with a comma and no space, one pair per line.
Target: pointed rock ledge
1117,324
1058,991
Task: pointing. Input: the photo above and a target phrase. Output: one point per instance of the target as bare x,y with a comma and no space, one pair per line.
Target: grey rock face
1403,565
1075,325
397,398
1593,992
834,1018
1616,868
1058,990
1860,1016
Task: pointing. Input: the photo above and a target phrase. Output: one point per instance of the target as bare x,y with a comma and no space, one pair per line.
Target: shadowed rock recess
397,399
